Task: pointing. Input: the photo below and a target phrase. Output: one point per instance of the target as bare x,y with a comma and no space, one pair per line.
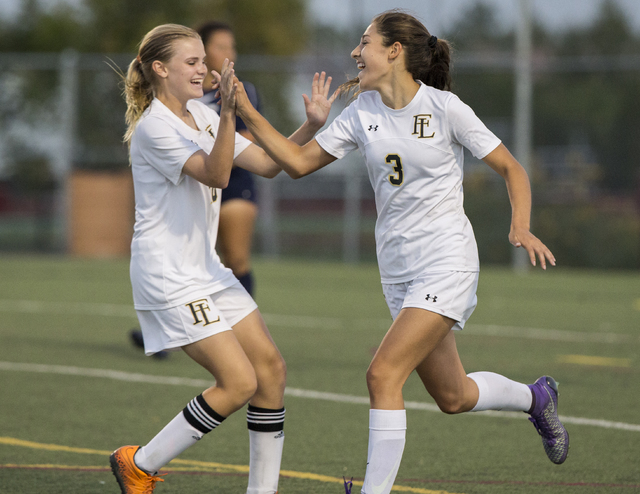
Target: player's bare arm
308,155
519,189
213,170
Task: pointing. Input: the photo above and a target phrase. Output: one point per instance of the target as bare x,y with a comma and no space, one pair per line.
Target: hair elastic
433,41
139,59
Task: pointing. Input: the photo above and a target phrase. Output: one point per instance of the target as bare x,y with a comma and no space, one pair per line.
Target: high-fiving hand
227,86
318,106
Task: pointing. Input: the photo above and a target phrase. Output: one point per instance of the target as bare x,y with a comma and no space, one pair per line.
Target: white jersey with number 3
414,157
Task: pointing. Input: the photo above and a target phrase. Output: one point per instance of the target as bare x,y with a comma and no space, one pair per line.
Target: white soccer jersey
173,255
414,158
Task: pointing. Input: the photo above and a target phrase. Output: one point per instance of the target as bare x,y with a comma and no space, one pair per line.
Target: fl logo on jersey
421,126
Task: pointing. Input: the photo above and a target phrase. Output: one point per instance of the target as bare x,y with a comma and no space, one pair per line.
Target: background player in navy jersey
412,131
238,209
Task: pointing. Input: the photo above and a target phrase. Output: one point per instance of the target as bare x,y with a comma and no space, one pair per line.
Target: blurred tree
277,27
35,29
119,25
610,34
601,105
479,30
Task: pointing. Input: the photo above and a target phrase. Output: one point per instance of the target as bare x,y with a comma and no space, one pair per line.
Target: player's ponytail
437,71
140,80
138,94
427,58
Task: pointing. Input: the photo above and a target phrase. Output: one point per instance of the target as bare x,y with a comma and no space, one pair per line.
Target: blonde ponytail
138,93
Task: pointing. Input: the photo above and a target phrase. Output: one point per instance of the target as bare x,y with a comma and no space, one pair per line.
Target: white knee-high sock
499,393
266,440
187,428
387,432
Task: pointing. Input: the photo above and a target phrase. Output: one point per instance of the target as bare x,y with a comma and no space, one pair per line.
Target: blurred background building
65,184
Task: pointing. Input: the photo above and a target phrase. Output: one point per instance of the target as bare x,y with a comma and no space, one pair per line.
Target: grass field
72,388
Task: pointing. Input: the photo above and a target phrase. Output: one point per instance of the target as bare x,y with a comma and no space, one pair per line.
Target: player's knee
451,403
378,381
278,370
243,387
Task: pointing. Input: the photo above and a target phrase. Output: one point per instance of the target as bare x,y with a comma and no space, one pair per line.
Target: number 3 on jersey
396,162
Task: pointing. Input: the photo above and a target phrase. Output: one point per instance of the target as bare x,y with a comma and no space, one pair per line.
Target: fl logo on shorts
199,309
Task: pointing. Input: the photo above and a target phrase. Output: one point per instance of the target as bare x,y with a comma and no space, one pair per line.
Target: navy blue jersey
241,184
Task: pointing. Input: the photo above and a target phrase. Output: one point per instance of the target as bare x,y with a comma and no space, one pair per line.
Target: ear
395,50
160,69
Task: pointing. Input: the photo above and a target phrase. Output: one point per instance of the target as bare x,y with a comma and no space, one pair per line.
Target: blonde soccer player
181,155
411,131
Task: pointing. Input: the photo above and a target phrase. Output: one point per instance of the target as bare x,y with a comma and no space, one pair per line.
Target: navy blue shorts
241,186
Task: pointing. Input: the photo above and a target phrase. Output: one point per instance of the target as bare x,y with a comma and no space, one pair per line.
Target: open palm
318,106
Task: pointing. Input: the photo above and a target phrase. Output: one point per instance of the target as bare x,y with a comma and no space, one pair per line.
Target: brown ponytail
140,79
438,71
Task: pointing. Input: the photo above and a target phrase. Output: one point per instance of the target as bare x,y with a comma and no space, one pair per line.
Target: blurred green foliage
277,27
579,234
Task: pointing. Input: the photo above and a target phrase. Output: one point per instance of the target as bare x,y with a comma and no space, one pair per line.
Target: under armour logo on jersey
373,127
429,297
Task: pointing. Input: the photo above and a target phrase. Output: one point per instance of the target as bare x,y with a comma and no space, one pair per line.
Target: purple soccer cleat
544,415
348,484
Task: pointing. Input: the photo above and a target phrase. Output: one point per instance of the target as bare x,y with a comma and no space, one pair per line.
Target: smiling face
183,75
373,59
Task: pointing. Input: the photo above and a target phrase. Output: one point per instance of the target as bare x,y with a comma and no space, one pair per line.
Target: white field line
310,322
295,392
72,308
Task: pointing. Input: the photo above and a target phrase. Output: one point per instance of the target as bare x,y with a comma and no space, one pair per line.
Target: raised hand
227,85
318,106
243,104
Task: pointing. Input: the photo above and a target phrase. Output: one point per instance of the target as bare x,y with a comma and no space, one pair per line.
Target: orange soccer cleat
131,479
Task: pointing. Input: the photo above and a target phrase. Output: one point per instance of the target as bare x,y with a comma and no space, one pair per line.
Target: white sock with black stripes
266,439
183,431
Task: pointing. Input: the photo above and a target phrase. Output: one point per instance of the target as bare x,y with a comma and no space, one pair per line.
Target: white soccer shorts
450,293
170,329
